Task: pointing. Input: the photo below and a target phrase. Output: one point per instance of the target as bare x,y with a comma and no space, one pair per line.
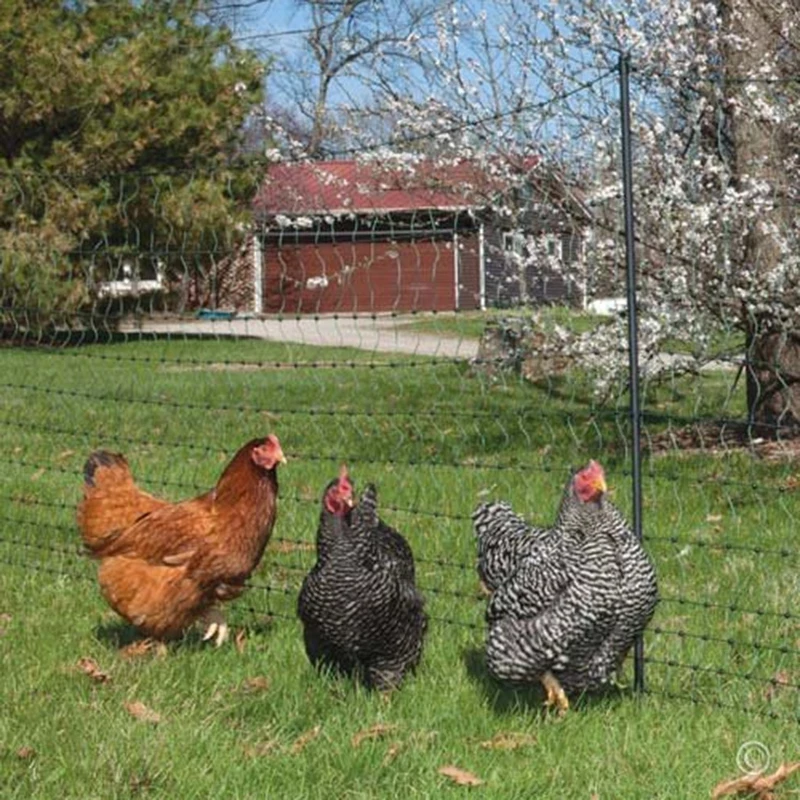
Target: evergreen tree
119,131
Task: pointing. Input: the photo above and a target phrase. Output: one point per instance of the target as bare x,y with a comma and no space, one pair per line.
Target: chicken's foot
555,694
216,627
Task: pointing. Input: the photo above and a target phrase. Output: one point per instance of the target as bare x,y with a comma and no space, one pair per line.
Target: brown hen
165,565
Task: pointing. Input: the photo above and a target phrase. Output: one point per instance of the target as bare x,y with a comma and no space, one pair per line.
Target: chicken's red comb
594,468
591,480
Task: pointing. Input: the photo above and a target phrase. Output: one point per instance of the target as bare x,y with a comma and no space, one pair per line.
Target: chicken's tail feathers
479,514
367,508
488,517
103,459
111,500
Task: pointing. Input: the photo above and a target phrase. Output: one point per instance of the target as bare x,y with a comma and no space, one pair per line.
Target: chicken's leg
555,694
216,627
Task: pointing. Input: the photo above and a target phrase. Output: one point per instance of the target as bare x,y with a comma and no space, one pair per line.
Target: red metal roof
336,187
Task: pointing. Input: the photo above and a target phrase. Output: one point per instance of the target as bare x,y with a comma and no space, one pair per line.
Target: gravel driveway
381,335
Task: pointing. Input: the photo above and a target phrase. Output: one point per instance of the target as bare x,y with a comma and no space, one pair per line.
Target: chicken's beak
600,485
281,457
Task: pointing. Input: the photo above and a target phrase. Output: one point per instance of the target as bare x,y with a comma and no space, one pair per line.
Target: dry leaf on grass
140,784
26,753
373,732
391,753
38,474
136,649
65,454
780,678
301,741
759,786
240,640
91,668
143,647
4,620
509,741
261,748
259,683
139,710
460,776
714,518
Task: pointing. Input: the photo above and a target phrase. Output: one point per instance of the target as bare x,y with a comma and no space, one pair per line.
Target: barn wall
359,276
502,285
469,272
544,285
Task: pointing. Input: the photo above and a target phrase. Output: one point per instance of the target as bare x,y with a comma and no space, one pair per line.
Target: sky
280,26
273,24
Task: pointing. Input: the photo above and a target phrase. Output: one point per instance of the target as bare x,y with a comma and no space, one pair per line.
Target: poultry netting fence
446,356
437,434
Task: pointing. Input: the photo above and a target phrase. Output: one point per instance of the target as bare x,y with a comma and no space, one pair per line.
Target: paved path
383,335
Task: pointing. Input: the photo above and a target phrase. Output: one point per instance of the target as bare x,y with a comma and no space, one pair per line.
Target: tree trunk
773,381
773,354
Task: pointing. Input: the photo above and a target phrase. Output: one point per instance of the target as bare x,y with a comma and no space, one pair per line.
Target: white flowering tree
716,110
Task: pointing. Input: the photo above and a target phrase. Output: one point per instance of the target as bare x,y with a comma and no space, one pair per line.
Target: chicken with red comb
165,565
362,614
568,601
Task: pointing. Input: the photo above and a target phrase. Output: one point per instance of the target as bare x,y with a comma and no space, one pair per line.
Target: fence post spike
633,330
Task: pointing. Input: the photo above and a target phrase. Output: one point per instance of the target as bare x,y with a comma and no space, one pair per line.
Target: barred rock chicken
337,501
503,540
361,611
567,612
165,565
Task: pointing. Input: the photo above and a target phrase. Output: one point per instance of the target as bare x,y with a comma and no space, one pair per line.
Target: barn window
548,245
514,242
553,246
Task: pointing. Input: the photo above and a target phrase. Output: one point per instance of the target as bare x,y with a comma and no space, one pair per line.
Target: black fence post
633,330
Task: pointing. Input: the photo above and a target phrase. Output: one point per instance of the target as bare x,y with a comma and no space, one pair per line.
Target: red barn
345,236
416,235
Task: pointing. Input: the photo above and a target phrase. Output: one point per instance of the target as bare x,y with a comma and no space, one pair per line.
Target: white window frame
515,242
551,244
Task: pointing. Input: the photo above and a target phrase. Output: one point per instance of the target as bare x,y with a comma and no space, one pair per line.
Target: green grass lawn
723,653
470,324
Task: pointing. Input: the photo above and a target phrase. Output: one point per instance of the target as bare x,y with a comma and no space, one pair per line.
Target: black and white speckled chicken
580,593
361,611
503,540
